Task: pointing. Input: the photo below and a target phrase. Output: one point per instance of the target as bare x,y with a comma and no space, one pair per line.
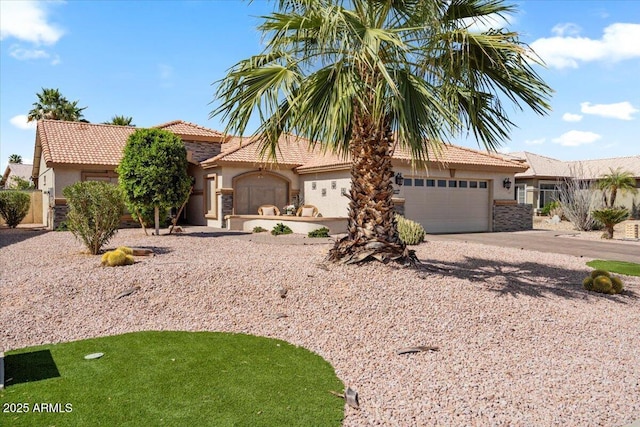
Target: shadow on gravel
9,236
524,278
212,234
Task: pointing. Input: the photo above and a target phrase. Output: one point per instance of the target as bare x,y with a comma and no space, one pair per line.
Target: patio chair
307,211
268,210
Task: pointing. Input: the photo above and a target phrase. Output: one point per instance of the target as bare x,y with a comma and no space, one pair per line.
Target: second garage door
447,205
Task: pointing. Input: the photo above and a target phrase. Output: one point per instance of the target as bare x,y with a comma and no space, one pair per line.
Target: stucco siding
325,191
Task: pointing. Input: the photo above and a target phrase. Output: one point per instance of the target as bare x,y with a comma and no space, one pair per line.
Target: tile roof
292,151
186,130
16,169
82,143
541,166
596,168
451,155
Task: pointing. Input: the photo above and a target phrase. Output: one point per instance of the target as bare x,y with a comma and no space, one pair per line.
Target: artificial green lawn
172,379
620,267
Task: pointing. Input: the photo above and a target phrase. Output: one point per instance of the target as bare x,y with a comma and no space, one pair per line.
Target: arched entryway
254,189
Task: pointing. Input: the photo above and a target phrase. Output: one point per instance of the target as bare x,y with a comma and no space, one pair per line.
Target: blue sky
156,61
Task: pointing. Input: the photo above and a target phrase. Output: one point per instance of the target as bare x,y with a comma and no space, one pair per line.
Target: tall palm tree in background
361,77
52,105
616,180
15,158
120,121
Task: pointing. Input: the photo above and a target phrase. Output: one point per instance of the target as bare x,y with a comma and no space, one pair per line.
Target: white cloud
620,110
568,117
538,141
619,42
28,21
20,121
576,138
23,54
566,29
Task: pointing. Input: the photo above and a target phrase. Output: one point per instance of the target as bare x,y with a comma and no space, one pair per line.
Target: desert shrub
549,207
94,214
14,206
320,232
259,229
121,256
609,218
410,232
603,282
280,228
578,198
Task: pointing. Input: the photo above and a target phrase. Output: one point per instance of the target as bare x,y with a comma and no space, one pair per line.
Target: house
15,170
538,185
462,190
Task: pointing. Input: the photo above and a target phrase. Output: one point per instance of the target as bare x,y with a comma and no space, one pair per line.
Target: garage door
253,191
447,205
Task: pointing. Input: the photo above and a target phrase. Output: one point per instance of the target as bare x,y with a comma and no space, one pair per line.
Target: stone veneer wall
59,215
398,206
512,217
227,206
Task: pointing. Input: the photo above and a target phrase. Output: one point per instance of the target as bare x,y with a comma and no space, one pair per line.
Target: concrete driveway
552,241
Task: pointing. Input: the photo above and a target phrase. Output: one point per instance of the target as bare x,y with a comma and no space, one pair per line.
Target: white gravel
521,343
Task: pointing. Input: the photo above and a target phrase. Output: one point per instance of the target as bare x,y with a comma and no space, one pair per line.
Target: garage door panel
448,210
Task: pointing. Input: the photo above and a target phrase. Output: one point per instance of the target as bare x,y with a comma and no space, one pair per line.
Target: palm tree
15,158
613,181
120,121
52,105
361,77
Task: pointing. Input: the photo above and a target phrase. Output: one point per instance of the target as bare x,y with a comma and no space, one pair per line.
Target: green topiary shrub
14,206
602,281
118,257
410,232
259,229
280,228
94,214
320,232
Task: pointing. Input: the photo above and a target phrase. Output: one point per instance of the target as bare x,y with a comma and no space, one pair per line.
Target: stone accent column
227,205
59,214
508,215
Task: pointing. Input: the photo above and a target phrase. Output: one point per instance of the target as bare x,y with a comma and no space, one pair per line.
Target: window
462,184
473,184
442,183
521,195
408,181
418,182
483,184
453,184
431,183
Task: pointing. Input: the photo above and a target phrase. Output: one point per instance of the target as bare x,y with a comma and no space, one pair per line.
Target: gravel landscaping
520,342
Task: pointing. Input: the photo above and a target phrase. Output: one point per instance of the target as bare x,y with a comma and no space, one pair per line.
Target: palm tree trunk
372,230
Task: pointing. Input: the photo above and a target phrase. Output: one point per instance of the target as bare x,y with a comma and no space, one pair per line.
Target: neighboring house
463,191
538,185
15,170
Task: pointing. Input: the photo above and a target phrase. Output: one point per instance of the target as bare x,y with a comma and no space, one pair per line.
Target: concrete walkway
552,241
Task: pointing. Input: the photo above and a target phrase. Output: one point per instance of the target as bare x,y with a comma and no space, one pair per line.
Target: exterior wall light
399,178
506,183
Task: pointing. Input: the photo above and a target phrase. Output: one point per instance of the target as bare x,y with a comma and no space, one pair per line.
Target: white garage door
447,205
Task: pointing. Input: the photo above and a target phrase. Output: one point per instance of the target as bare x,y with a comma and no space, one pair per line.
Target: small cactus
121,256
596,273
602,281
410,232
